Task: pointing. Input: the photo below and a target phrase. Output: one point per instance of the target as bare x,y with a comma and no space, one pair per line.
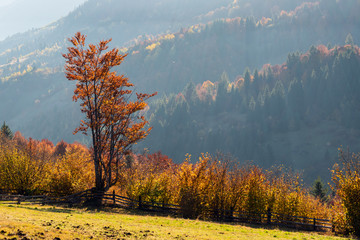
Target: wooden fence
266,218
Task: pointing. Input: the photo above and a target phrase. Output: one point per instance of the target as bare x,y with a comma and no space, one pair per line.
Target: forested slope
296,114
35,97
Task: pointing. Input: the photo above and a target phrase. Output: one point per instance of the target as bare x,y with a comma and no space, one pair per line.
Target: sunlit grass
48,222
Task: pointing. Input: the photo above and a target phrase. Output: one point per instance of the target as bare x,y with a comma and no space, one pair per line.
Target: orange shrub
19,172
346,178
149,176
72,172
213,188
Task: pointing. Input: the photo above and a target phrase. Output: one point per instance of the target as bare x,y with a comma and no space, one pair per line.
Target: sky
22,15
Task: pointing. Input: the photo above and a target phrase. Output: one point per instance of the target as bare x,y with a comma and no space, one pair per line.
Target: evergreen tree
247,82
318,190
222,92
189,93
349,40
277,107
247,79
250,24
223,84
255,86
6,131
295,99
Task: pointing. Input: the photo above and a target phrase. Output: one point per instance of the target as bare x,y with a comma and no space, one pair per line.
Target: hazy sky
22,15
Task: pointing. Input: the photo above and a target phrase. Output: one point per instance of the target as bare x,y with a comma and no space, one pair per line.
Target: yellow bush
194,184
72,172
346,178
18,171
150,177
210,188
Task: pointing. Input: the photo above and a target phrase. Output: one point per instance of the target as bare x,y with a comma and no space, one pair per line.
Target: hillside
33,85
296,114
204,52
35,97
121,20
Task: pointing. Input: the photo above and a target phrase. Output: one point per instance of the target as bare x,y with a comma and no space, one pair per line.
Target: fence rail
113,200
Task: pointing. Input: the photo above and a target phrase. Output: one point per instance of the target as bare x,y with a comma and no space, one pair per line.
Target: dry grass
48,222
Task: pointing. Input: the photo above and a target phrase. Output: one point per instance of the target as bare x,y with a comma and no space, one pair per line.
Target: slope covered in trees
37,99
124,20
203,52
296,114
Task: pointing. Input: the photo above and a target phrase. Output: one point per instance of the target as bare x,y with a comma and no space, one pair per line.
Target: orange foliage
156,162
149,176
72,171
346,179
284,13
31,166
324,51
238,83
206,91
105,99
304,57
60,148
180,98
212,187
277,69
299,9
19,139
265,21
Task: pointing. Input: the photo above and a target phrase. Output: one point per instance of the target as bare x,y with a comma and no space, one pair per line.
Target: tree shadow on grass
50,209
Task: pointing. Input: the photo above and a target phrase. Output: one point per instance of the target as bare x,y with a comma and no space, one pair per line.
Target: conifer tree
318,190
6,131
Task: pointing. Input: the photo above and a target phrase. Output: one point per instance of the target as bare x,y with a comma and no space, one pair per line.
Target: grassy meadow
48,222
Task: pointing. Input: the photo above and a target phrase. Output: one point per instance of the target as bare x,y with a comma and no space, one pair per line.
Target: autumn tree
112,112
19,172
346,179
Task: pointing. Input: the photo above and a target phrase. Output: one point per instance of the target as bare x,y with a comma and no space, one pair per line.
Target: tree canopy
112,116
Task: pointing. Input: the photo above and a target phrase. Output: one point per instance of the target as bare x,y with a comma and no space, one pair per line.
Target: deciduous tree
112,116
346,179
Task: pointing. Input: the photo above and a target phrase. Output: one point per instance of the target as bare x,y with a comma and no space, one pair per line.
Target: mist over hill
33,85
171,44
121,20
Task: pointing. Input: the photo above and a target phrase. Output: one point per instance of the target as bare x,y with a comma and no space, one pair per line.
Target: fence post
140,203
314,224
114,201
269,216
231,214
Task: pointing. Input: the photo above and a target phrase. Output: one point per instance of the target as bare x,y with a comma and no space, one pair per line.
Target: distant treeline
243,117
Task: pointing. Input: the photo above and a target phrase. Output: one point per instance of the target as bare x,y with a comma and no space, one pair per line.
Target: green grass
47,222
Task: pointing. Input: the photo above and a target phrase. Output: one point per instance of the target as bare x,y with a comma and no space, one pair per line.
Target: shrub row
210,185
29,166
215,184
